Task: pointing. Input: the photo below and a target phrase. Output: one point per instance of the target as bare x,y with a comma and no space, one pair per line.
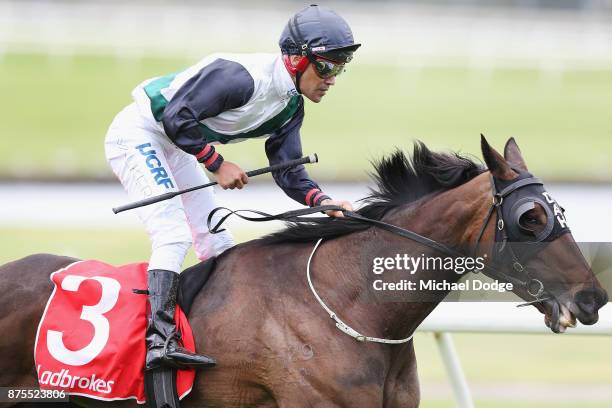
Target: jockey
156,145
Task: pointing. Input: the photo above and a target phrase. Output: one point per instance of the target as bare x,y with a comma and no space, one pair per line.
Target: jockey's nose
331,80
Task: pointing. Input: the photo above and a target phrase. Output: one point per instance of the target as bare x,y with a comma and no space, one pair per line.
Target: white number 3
94,315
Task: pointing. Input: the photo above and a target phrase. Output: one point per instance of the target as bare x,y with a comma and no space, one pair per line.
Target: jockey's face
312,85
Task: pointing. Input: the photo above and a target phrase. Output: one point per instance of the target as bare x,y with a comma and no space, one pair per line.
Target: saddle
100,354
192,280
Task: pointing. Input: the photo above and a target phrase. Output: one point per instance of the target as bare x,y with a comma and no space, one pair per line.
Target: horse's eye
529,222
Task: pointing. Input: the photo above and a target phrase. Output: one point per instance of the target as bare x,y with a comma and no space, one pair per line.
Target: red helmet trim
299,67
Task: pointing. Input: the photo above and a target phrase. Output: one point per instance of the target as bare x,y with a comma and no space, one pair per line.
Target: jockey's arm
218,87
284,145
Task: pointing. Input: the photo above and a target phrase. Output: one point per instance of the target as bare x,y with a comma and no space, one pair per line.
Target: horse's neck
450,217
453,217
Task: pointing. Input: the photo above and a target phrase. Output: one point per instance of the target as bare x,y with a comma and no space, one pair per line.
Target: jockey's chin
315,97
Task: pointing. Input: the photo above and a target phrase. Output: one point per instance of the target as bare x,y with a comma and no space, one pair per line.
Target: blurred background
438,71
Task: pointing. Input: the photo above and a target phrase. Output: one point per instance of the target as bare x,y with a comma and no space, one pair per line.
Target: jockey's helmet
317,32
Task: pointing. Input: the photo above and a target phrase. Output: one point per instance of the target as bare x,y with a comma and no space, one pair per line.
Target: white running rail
500,317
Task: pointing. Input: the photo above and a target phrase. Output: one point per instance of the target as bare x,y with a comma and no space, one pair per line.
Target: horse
277,347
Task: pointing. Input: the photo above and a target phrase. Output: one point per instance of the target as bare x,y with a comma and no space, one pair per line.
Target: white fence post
463,396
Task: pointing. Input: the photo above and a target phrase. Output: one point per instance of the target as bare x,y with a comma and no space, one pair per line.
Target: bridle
505,250
533,286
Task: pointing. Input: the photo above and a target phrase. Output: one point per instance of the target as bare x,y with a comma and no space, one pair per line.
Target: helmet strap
298,76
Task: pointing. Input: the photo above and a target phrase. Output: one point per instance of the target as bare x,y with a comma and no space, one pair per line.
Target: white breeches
148,164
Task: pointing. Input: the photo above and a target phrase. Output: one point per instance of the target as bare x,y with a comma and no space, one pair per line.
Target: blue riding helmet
318,31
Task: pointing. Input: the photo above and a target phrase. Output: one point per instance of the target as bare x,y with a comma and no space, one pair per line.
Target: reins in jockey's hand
524,189
297,216
313,158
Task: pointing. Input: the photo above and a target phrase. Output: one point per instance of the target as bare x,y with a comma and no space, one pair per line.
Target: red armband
210,158
314,197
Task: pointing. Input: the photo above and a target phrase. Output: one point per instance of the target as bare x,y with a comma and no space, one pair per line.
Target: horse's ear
513,155
498,166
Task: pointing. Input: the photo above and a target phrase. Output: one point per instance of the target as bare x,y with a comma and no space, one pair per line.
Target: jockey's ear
498,166
513,155
295,59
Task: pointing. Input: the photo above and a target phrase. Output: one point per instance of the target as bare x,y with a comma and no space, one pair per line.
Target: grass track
54,121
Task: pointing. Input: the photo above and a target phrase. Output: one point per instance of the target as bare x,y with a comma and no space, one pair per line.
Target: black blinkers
521,195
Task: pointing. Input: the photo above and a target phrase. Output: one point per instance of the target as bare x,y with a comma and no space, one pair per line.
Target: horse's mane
399,180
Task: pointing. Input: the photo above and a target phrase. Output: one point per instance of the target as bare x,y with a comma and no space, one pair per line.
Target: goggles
327,69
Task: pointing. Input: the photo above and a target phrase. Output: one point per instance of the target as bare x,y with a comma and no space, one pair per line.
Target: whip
313,158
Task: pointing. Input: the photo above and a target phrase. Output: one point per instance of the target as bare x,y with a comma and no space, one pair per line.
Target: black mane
399,180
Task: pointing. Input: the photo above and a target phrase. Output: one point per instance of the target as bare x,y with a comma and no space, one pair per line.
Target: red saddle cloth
90,340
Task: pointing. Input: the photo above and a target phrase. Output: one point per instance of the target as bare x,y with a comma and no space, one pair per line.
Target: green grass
521,358
112,246
56,111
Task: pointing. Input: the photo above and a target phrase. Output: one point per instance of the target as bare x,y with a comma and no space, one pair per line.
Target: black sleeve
218,87
284,145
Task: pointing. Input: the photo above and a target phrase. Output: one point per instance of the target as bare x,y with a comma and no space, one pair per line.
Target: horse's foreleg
402,383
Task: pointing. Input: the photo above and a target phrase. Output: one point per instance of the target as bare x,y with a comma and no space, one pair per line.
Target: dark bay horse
276,346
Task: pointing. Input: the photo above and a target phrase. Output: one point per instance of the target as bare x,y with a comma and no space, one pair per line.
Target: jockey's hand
230,175
340,203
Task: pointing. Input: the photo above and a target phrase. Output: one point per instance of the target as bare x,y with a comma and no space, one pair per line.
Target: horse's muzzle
589,301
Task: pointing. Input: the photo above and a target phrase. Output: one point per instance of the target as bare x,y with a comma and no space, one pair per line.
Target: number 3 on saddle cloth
91,338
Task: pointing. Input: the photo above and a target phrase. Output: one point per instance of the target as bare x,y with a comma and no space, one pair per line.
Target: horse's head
532,246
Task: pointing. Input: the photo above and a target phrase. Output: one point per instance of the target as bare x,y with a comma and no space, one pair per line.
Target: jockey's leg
198,204
162,347
135,150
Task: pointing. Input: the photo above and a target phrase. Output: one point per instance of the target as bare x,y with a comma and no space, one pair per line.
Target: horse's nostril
591,300
603,298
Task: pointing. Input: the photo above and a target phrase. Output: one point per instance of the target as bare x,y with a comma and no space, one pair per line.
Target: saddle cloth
90,340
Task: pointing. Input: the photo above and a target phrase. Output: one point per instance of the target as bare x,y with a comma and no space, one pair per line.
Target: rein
298,216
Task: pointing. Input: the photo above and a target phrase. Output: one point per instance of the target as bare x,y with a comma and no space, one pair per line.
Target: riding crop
313,158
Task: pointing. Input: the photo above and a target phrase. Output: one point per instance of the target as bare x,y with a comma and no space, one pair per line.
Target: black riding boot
161,336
